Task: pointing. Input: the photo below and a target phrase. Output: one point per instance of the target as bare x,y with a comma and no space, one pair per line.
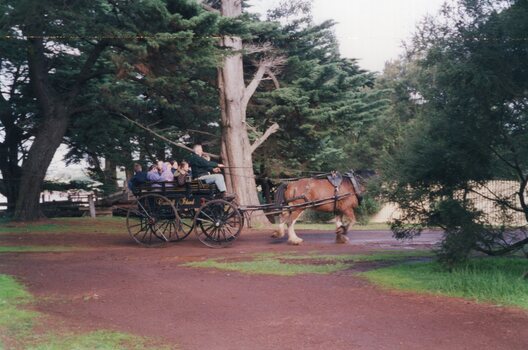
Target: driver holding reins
208,171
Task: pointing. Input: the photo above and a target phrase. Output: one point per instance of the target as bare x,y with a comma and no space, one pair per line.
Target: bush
369,206
316,217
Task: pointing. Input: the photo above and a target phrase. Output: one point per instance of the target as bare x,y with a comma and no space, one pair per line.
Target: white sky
369,30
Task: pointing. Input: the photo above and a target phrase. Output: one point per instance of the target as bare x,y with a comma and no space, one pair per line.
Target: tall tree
325,102
237,150
16,111
68,48
472,126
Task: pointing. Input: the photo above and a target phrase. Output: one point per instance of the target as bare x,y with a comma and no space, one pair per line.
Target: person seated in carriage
160,172
208,171
182,173
139,178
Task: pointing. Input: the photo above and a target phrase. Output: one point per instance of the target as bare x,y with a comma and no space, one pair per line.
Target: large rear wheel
218,223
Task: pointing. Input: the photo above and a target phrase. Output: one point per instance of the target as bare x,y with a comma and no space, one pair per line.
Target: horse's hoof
277,234
342,230
295,241
340,239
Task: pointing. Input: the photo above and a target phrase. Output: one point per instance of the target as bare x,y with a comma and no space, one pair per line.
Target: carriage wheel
185,223
152,221
218,223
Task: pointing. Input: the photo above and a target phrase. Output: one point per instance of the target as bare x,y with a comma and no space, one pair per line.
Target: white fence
484,199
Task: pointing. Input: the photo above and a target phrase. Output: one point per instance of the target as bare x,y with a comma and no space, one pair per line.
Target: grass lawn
292,264
17,324
108,225
496,280
36,249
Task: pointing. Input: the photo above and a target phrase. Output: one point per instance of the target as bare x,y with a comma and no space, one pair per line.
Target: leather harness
336,179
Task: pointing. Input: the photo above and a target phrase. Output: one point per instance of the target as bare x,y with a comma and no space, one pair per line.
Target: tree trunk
111,174
9,165
47,140
236,147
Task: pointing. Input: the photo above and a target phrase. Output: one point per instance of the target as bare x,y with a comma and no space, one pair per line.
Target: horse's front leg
341,229
292,236
283,218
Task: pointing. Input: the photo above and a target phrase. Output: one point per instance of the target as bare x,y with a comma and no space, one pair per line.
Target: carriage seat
173,186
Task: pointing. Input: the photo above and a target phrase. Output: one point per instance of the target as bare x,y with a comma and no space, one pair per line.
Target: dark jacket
200,166
136,180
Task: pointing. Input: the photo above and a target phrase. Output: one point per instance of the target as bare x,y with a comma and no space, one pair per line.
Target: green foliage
496,280
369,206
156,64
324,103
469,124
316,217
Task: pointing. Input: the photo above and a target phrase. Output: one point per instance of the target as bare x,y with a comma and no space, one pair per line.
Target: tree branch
273,78
265,66
207,7
252,87
497,199
504,250
38,72
161,137
270,131
85,73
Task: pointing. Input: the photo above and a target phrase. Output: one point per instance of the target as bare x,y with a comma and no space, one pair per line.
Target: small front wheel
152,221
218,223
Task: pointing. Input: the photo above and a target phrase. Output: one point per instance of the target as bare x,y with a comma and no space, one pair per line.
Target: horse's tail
279,194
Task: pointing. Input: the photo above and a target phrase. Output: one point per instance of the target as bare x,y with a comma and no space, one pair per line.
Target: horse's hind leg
282,225
292,236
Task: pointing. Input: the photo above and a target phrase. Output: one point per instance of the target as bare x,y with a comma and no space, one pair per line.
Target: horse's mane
279,194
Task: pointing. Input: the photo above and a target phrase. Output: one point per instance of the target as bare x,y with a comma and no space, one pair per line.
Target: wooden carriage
165,212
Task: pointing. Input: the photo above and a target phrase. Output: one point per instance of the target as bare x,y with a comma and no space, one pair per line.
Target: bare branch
497,199
252,128
161,137
202,132
273,78
207,7
252,87
270,131
266,65
252,48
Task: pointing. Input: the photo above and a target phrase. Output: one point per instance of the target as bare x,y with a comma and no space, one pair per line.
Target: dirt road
117,285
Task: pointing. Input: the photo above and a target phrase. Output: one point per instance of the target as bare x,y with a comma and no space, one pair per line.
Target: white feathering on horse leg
292,236
281,231
338,221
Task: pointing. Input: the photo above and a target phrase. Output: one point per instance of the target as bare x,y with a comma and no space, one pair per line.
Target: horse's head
361,175
359,178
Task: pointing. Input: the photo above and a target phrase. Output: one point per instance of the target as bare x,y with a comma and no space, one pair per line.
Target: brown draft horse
314,189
